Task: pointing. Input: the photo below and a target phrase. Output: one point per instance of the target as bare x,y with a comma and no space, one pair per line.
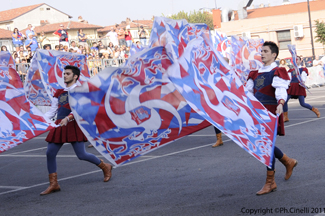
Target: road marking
139,161
12,187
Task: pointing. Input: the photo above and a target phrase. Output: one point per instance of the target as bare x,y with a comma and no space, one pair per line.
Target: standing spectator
31,42
22,69
121,35
73,46
128,36
29,55
112,35
16,57
4,48
30,31
17,39
143,33
83,39
43,40
94,47
63,35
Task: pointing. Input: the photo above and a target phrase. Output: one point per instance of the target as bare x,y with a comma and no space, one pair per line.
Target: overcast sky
108,12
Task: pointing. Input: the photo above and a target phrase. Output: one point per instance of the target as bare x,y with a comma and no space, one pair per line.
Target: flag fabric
135,49
45,76
223,45
168,91
20,120
213,90
129,111
247,54
292,50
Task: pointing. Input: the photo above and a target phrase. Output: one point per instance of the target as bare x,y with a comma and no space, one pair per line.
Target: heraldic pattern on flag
45,75
129,111
20,120
293,51
214,91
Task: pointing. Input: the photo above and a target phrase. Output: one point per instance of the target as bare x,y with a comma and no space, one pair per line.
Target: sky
108,12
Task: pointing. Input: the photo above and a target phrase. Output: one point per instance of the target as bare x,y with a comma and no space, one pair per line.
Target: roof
133,24
5,34
11,14
286,9
55,26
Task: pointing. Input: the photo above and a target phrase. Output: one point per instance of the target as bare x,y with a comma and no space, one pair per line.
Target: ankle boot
219,140
270,184
54,185
289,163
316,111
285,117
107,170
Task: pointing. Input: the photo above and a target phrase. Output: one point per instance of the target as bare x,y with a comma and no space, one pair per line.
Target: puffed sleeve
250,85
54,108
281,83
304,74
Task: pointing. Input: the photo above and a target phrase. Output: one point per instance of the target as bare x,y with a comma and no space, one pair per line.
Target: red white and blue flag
292,50
20,120
45,76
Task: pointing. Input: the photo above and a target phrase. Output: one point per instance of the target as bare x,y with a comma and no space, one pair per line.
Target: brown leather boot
107,170
285,117
54,185
270,184
289,163
219,140
316,111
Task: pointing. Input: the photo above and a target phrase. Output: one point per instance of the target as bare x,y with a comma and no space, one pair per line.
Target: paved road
187,177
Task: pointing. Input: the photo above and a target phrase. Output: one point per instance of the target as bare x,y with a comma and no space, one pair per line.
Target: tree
195,17
320,31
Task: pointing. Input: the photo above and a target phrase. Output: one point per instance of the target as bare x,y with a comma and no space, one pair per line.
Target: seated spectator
21,55
73,46
80,49
16,57
111,46
91,66
22,69
47,47
31,42
4,48
94,47
65,48
29,55
57,47
72,50
84,52
61,47
283,63
17,39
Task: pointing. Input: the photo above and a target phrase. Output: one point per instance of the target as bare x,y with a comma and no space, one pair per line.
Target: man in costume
69,132
297,91
269,85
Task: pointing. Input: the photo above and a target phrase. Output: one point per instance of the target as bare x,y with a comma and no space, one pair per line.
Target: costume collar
71,87
267,68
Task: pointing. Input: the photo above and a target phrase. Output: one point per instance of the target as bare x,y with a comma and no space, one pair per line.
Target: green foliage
320,31
195,17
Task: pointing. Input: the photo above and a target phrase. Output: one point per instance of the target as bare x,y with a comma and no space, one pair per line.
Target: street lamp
311,31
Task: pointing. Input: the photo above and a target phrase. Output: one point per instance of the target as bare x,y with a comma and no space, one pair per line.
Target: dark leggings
277,154
217,130
79,149
301,101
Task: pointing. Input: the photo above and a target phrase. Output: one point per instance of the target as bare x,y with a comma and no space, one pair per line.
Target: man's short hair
298,57
73,42
273,47
75,70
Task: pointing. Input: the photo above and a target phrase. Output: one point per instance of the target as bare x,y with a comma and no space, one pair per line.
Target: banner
130,111
45,76
20,120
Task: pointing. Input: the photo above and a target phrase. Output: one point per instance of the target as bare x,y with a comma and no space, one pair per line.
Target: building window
8,27
41,9
48,8
284,38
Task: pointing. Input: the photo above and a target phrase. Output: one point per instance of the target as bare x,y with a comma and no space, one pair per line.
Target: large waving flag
130,111
135,49
127,112
45,75
19,119
201,75
223,45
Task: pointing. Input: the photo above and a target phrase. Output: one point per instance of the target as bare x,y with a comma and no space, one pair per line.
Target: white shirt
113,37
278,83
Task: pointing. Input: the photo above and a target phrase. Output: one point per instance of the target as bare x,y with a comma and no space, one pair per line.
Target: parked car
308,61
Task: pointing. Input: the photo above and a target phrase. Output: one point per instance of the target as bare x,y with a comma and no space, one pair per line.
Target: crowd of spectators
98,55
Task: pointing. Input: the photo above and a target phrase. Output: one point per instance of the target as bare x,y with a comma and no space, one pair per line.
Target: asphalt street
186,177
